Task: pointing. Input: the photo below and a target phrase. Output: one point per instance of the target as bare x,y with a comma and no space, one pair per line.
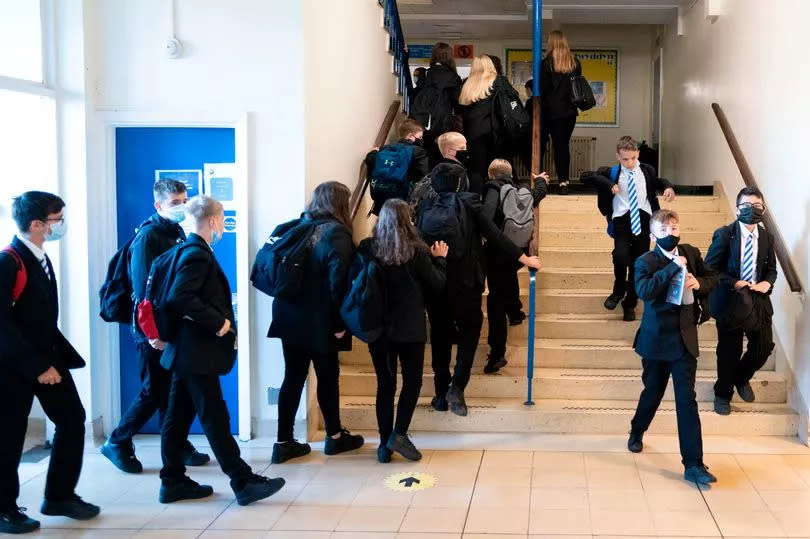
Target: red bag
21,278
146,320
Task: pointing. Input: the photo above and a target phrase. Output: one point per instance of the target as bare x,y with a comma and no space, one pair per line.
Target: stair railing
399,49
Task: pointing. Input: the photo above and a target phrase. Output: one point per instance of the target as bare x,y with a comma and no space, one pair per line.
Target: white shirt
621,201
688,295
743,239
38,253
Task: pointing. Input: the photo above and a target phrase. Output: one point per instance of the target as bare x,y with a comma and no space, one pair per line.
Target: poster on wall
599,66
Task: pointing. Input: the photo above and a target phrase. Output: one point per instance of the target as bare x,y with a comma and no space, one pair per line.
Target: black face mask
750,215
463,157
668,243
419,142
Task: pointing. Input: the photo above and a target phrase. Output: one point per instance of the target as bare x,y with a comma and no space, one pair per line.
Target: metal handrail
398,48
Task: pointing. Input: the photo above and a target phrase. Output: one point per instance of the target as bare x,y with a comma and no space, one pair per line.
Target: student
455,316
155,236
418,83
411,272
526,149
743,255
627,200
667,340
203,349
36,359
453,147
411,134
503,300
311,328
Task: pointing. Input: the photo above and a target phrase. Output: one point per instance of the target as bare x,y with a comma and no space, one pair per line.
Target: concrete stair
587,377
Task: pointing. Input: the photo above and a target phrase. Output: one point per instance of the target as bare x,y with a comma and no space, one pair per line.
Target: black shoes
455,398
517,318
257,488
74,508
345,442
629,314
746,393
564,188
122,455
612,301
192,457
383,454
17,522
439,404
494,364
187,489
282,452
722,406
635,443
699,474
401,444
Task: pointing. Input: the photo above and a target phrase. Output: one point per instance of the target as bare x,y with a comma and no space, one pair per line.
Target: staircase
587,377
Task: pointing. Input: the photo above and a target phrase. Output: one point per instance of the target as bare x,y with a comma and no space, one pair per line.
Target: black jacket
478,118
406,287
447,81
200,298
724,257
601,181
310,322
417,169
555,93
30,341
494,212
667,330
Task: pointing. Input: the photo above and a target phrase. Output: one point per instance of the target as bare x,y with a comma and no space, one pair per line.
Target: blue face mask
175,214
57,231
216,235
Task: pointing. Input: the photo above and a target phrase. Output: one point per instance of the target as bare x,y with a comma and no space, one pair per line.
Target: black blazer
667,330
604,200
30,341
724,257
200,298
555,92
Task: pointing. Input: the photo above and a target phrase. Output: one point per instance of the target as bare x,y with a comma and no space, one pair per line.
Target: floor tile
257,516
542,478
748,524
800,465
559,521
328,493
310,518
166,534
612,522
233,534
289,534
187,515
734,501
786,500
559,498
602,499
434,520
685,523
371,519
625,478
496,475
689,499
442,496
544,460
507,459
514,520
363,535
428,536
457,476
771,472
794,523
500,496
380,496
457,458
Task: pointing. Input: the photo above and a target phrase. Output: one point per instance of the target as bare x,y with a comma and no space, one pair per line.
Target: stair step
584,257
569,278
592,219
587,203
575,417
555,300
600,239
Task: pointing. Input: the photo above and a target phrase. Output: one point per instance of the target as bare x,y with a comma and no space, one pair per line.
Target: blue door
139,153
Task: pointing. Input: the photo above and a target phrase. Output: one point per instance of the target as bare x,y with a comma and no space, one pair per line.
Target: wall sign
463,51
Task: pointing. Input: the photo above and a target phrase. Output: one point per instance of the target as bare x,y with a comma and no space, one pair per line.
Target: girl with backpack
310,327
410,272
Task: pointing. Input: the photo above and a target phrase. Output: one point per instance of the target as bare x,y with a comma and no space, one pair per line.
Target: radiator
583,158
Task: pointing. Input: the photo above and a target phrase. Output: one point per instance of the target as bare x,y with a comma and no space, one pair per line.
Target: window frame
46,87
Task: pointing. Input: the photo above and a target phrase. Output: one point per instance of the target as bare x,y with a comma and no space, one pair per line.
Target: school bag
116,302
582,93
517,205
363,308
278,270
389,177
21,275
614,178
433,109
444,218
422,190
510,116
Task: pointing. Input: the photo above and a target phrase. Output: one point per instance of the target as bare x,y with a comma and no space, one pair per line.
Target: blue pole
530,362
537,44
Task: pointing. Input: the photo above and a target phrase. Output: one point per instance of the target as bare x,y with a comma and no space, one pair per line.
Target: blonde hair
627,143
479,83
203,207
563,60
451,138
664,217
499,168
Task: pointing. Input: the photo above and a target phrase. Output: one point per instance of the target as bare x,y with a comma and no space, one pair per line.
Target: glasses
756,205
55,220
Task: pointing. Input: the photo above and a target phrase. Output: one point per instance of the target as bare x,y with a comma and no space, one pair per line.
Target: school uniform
667,342
558,116
417,168
628,214
739,254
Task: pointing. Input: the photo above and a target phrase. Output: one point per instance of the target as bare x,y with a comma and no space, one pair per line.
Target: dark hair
34,206
496,61
627,143
410,127
397,240
164,188
331,200
446,177
419,72
749,192
529,83
443,55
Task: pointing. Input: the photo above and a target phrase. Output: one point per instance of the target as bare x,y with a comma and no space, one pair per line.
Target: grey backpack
517,205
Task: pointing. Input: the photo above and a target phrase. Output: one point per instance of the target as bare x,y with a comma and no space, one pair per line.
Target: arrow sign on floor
409,481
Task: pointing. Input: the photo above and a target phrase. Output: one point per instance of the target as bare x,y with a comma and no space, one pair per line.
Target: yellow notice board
599,66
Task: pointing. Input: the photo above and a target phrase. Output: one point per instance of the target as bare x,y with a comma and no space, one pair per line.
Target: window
21,39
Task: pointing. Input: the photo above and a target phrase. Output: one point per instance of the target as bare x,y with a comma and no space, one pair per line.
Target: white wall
750,62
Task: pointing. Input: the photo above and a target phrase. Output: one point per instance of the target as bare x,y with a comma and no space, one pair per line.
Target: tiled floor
562,490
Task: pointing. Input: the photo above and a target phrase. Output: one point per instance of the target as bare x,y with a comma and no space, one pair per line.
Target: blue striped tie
635,218
748,260
44,263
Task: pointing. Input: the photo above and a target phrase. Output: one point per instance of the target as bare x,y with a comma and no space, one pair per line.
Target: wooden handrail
382,135
782,252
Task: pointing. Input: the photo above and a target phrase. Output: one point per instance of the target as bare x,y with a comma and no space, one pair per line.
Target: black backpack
582,93
116,303
433,109
278,270
508,113
444,218
389,177
363,308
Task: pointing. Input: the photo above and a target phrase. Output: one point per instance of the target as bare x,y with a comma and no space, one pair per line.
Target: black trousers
296,368
655,376
560,131
626,248
455,317
503,300
384,354
735,368
63,406
200,393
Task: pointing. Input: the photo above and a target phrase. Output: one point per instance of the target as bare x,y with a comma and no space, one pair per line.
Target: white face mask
175,214
57,231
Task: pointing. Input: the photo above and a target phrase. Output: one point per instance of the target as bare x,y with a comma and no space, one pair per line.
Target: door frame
658,55
240,123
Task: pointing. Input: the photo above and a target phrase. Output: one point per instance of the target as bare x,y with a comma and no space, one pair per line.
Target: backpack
116,302
432,108
422,190
614,178
389,178
517,205
509,115
278,270
582,93
444,218
363,308
21,277
153,316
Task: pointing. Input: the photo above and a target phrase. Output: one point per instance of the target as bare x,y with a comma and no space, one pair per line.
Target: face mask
175,214
750,215
57,232
216,235
419,142
463,157
668,243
